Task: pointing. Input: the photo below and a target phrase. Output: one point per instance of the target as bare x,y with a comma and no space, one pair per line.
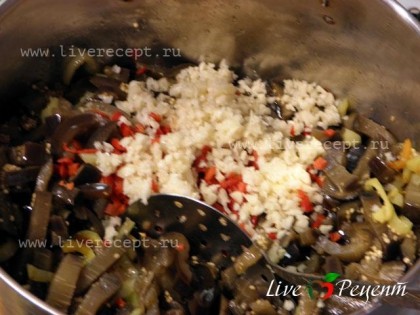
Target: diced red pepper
141,70
117,145
156,117
255,162
305,202
139,128
120,303
272,236
65,160
335,236
318,221
155,186
108,180
180,247
73,168
292,131
118,185
319,180
210,174
320,163
202,157
62,170
329,133
116,116
254,220
77,151
231,181
219,207
126,130
241,186
115,208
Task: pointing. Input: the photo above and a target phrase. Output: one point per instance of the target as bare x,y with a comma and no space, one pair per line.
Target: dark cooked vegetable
307,237
118,73
8,248
362,170
51,123
95,191
412,200
86,174
409,250
353,156
64,196
378,166
28,154
333,264
96,223
13,176
59,230
41,210
336,153
262,307
103,133
44,176
360,242
374,131
98,266
72,127
43,258
340,184
63,284
248,258
100,292
110,85
183,253
389,245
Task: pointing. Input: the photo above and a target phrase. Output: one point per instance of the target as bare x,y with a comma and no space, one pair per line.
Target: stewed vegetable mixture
332,190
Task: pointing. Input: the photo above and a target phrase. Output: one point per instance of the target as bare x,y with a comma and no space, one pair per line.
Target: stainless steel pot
366,50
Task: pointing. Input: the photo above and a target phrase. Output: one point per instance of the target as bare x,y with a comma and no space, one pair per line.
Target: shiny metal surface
368,50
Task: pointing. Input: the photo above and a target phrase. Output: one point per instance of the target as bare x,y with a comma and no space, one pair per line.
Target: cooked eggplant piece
43,259
44,176
63,284
13,176
98,266
110,85
38,224
362,170
103,133
8,248
381,170
59,230
386,238
262,307
336,153
99,206
409,249
64,196
353,156
374,131
340,184
100,292
72,127
360,242
333,264
412,200
118,73
86,174
345,305
10,217
28,154
51,123
182,254
95,191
